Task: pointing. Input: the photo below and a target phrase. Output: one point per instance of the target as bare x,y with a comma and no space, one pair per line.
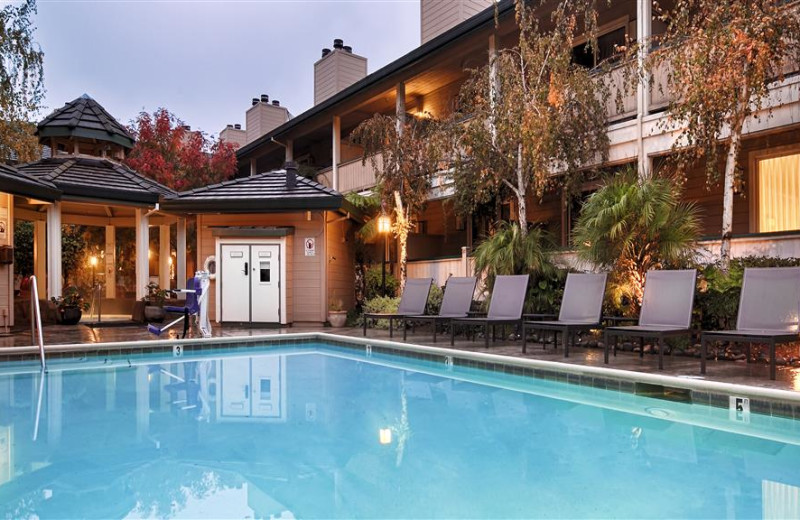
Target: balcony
354,175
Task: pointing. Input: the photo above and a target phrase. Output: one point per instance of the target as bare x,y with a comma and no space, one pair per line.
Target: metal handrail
36,325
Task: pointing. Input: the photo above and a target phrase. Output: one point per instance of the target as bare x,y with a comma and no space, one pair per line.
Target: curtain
779,193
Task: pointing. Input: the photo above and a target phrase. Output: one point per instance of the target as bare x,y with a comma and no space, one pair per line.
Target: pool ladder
36,320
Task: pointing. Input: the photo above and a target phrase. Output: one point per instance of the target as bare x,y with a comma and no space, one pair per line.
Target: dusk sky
204,61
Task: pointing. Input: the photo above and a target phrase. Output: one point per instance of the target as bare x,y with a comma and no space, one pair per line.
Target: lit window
779,193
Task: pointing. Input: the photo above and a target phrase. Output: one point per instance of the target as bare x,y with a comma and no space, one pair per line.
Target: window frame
753,177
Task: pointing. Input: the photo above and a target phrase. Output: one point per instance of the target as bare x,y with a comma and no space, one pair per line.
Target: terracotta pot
70,315
337,318
154,314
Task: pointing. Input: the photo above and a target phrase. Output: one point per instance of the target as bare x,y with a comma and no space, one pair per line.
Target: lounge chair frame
412,284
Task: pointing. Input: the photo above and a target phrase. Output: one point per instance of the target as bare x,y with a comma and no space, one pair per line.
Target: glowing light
385,435
384,224
93,261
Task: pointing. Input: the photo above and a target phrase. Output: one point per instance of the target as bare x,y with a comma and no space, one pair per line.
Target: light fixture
93,261
384,224
385,435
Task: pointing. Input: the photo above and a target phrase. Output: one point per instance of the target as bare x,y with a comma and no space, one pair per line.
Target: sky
205,60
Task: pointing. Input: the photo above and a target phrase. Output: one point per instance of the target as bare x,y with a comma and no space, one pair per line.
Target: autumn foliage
171,154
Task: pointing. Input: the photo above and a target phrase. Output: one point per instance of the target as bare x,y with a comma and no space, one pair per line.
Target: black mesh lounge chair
769,310
458,292
508,298
666,311
581,309
412,303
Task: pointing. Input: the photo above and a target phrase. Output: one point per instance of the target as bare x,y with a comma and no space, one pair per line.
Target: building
428,78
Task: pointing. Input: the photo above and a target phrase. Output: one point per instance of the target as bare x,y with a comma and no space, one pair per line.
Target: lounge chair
412,303
769,310
508,298
666,311
581,309
457,299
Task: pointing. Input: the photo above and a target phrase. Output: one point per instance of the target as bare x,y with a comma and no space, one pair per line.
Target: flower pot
70,315
154,314
337,318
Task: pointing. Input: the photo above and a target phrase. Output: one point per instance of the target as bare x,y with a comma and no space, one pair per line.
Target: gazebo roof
84,117
265,192
17,183
89,178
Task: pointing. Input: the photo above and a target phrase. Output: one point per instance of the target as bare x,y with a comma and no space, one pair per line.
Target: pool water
325,432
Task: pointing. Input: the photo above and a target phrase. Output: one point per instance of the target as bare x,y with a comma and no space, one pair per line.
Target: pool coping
768,401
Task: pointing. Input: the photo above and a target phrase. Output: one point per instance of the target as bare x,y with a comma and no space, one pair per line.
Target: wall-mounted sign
310,246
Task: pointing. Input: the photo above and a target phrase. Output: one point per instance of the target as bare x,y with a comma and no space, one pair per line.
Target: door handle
245,268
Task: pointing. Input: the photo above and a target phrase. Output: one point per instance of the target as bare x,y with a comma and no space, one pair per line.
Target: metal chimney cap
264,98
348,49
237,126
325,52
276,103
338,43
255,101
228,126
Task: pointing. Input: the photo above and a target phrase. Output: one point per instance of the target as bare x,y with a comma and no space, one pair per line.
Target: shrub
381,304
632,225
375,285
435,298
718,291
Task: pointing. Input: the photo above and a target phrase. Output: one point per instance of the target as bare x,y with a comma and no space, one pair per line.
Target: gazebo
95,189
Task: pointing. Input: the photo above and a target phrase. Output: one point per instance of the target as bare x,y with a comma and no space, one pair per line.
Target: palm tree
631,225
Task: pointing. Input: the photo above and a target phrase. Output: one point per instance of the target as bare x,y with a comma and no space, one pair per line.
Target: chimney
336,70
237,126
263,117
291,174
233,134
436,20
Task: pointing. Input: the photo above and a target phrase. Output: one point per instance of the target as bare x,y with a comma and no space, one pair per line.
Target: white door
266,385
235,281
265,280
235,387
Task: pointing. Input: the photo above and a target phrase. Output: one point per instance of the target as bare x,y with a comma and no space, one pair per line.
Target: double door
252,387
250,283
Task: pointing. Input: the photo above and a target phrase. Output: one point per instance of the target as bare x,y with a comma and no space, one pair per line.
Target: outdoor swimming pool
321,431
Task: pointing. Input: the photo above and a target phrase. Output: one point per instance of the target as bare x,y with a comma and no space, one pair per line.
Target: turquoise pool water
316,431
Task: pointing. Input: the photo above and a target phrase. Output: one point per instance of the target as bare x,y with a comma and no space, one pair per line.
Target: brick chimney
336,70
263,117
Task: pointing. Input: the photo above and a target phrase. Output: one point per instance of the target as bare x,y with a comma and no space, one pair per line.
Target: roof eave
65,131
24,188
258,205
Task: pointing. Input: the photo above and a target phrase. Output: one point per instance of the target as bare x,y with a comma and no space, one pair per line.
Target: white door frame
279,241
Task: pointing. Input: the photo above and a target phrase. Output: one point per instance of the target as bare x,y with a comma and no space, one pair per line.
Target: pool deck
735,372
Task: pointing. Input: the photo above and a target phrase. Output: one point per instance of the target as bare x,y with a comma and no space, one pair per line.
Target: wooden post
337,151
111,262
142,260
40,256
54,282
163,257
180,256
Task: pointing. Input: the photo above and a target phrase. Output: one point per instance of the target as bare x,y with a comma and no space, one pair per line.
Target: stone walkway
737,372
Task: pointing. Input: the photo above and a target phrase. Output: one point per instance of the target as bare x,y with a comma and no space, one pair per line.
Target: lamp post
384,226
93,264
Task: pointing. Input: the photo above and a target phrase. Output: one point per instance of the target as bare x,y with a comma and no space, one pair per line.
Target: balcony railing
353,175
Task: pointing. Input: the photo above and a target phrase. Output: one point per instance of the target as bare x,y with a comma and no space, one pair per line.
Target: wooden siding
262,118
354,176
440,15
304,274
341,261
7,270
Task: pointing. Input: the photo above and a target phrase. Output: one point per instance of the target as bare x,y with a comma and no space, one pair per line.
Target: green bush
717,296
375,285
381,304
434,300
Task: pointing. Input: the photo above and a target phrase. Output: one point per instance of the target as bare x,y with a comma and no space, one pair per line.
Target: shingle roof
265,192
84,117
17,183
96,178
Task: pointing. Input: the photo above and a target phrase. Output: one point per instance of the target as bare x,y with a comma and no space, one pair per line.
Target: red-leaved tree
182,159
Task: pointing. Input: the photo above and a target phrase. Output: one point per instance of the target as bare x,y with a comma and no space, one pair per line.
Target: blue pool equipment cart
196,305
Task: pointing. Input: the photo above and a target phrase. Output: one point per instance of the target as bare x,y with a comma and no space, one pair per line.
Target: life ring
210,266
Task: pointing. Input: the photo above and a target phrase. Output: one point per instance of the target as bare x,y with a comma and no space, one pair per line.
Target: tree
723,56
632,225
21,82
532,113
405,154
171,154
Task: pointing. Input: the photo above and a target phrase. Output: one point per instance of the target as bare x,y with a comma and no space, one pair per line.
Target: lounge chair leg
524,338
703,350
391,331
405,329
616,340
641,347
772,368
486,334
452,334
605,348
365,325
494,333
434,330
568,338
660,354
749,349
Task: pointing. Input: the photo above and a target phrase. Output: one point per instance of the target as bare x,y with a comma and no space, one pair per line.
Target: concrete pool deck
734,372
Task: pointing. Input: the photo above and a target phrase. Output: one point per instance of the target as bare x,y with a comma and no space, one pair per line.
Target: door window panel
779,193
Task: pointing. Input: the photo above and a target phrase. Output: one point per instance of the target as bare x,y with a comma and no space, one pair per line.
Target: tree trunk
522,210
727,199
401,227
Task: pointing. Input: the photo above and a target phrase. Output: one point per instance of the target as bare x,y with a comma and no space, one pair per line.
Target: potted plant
70,305
337,316
154,303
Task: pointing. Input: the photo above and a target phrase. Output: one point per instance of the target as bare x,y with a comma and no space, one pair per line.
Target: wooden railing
353,176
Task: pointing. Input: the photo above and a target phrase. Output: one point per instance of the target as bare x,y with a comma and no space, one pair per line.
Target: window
778,193
607,45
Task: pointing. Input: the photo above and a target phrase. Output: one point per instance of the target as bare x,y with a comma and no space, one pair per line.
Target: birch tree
723,55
